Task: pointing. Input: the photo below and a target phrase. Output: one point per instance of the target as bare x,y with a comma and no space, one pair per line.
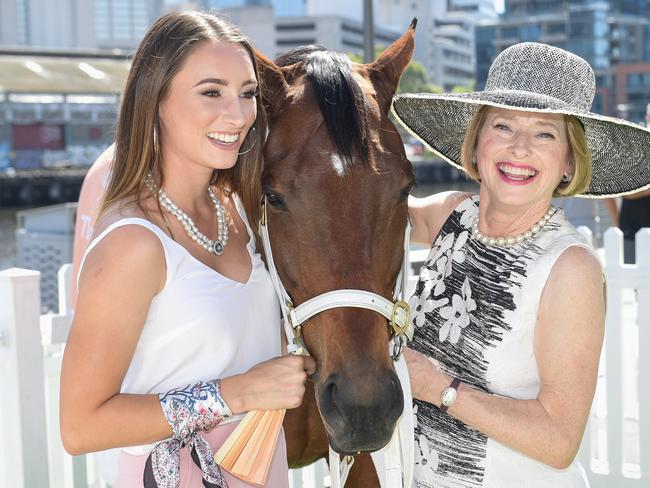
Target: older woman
509,308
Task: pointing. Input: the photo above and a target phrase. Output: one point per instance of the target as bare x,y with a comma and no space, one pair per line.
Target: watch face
448,396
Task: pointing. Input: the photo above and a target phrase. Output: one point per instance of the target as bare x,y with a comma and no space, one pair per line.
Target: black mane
340,98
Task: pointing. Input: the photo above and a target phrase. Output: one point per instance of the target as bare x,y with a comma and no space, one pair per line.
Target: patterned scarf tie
163,466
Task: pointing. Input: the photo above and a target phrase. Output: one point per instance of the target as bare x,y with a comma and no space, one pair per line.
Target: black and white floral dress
474,310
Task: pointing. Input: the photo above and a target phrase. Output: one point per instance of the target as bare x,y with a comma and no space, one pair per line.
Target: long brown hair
137,144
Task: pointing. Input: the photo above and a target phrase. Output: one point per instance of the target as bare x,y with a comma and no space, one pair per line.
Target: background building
283,33
71,24
57,109
445,42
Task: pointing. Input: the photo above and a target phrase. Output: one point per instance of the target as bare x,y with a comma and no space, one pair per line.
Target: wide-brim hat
537,78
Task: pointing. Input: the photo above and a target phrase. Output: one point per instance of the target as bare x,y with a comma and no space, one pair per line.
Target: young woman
177,326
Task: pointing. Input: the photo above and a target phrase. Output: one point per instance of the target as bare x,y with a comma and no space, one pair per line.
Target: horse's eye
406,191
274,200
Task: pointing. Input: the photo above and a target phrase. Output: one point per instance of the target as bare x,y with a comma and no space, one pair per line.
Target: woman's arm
121,276
568,341
637,195
429,214
119,279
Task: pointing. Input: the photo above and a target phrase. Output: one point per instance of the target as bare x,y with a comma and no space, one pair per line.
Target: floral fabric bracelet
193,408
188,410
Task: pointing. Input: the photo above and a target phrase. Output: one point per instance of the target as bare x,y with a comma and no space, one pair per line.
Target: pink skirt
131,467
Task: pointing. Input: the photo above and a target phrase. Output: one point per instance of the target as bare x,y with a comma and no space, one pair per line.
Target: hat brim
620,150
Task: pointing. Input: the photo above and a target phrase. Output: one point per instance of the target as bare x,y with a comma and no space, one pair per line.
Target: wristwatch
449,395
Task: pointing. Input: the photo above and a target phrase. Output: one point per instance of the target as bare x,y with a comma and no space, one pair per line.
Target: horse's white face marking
337,164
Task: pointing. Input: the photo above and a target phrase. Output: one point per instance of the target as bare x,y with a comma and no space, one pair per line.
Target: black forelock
340,98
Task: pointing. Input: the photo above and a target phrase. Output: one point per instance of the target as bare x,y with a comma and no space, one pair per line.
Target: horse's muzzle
360,413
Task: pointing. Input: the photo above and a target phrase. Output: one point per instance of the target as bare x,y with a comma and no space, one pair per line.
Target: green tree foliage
416,80
465,89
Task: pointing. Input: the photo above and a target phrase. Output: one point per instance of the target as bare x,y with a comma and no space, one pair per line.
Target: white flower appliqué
457,314
421,304
435,275
455,253
467,216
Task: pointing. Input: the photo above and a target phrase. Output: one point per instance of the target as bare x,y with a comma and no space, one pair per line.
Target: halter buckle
397,328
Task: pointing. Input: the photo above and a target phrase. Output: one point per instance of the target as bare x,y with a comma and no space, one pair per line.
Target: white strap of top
118,223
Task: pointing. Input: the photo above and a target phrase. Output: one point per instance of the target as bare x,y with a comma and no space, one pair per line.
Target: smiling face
522,156
210,106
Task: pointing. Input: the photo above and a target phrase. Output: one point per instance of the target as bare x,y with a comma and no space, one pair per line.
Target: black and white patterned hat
538,78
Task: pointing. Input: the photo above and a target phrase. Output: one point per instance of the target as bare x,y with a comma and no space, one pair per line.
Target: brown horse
336,182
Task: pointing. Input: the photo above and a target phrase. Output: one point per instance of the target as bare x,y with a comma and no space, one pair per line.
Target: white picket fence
615,450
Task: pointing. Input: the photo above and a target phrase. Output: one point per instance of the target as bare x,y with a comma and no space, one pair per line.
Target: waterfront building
57,108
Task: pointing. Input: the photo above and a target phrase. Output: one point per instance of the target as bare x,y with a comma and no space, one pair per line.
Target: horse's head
336,181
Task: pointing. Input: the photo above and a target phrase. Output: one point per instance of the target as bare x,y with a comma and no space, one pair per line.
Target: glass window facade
485,52
556,28
632,7
21,18
122,21
510,32
589,36
531,32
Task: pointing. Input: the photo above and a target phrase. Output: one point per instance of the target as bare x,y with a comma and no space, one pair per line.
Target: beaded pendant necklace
214,246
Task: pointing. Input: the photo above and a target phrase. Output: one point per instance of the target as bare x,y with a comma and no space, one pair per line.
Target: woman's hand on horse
427,380
272,385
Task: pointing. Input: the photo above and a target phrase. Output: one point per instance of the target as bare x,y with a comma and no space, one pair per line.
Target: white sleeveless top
474,309
202,325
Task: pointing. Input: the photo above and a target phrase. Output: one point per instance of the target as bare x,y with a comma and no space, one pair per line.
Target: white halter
400,447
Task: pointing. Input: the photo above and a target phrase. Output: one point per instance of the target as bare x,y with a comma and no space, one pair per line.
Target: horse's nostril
330,403
330,392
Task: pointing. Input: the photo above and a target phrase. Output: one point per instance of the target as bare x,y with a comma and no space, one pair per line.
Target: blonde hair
579,164
157,60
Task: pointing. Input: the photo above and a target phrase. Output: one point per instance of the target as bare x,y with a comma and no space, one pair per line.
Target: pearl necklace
509,241
215,246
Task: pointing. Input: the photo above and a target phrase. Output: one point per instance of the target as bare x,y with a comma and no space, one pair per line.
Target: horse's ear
273,85
387,69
